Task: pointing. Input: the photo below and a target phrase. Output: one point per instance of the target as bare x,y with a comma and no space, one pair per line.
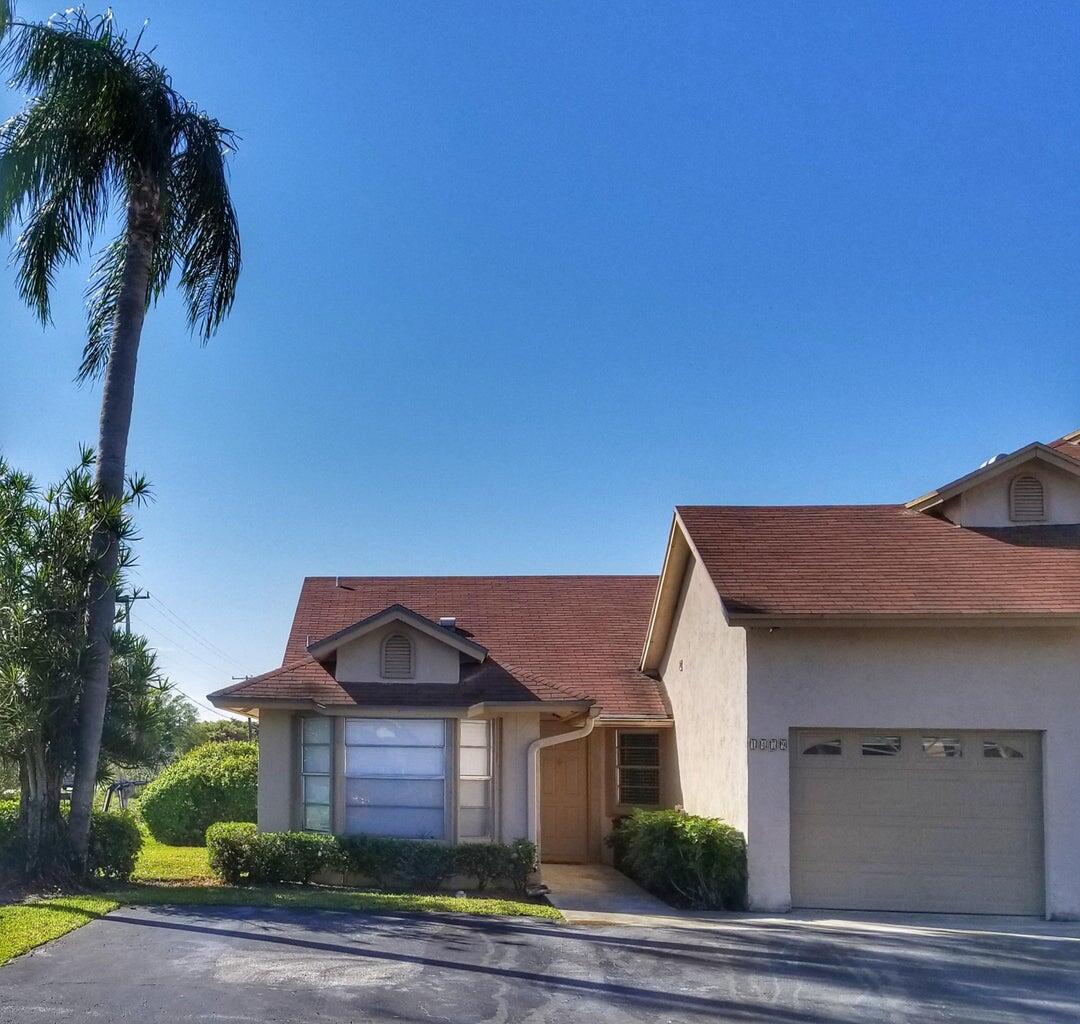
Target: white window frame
328,775
488,777
619,766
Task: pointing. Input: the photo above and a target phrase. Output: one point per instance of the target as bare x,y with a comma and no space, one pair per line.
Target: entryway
564,803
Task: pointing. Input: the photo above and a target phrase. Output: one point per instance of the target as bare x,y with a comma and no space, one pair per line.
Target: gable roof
1058,453
856,561
324,648
557,639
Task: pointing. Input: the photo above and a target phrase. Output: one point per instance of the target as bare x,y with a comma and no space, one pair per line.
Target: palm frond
102,298
207,228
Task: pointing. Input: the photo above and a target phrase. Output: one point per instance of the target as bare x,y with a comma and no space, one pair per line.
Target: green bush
239,854
483,861
115,842
686,860
229,850
214,782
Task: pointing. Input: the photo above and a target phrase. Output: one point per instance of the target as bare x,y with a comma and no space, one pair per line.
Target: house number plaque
768,743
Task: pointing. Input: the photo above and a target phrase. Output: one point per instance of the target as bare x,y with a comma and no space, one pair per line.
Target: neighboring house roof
855,561
1069,445
548,638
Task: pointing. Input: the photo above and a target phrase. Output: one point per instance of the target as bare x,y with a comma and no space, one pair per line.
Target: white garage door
933,820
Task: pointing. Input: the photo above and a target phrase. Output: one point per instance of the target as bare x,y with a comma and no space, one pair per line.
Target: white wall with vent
989,504
433,661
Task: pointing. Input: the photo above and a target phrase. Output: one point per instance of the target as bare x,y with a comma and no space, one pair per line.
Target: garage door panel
913,831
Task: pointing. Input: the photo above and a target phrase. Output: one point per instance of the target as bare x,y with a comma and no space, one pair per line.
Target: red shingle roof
1069,445
548,638
881,560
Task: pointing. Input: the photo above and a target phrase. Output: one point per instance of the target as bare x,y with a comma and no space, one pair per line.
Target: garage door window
880,746
1001,751
942,746
831,747
395,772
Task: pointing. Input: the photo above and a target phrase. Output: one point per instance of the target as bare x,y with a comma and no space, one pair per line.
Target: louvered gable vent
1027,501
397,657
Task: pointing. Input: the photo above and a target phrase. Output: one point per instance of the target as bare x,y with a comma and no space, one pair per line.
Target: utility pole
125,600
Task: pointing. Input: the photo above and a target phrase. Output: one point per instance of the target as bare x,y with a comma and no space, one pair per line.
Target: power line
176,643
163,609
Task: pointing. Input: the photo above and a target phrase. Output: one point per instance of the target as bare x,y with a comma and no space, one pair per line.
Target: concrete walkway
598,894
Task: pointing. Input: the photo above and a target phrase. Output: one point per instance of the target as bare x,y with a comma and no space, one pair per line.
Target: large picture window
475,819
316,735
395,777
638,768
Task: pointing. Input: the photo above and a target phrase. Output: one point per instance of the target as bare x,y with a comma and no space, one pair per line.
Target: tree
48,560
104,124
227,730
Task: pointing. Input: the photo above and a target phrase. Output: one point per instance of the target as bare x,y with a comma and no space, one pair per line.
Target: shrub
115,842
684,859
483,861
229,850
239,854
214,782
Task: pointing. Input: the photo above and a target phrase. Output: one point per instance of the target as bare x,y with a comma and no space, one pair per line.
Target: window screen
475,819
316,734
395,777
638,767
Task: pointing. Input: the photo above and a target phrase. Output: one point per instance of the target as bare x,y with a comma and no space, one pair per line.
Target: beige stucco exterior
360,661
987,504
278,770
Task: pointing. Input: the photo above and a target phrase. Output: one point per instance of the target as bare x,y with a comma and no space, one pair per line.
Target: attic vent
448,621
397,657
1027,503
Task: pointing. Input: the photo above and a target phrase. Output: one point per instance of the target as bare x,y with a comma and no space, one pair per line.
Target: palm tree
104,125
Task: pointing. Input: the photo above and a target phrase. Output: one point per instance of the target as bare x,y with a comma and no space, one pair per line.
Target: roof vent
448,621
993,458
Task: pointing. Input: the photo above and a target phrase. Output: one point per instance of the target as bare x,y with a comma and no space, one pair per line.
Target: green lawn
181,875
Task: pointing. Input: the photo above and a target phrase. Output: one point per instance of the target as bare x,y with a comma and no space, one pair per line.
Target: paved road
181,965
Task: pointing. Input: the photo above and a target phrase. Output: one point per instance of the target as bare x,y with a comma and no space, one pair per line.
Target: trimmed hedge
684,859
214,782
239,854
115,842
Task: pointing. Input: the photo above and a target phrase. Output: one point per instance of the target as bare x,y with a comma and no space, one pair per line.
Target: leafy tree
228,730
48,559
105,125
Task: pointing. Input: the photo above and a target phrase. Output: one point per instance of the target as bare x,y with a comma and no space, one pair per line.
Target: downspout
533,769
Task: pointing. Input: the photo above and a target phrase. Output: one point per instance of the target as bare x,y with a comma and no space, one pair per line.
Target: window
942,746
1027,502
637,762
880,746
831,747
1001,751
475,820
397,657
316,735
395,777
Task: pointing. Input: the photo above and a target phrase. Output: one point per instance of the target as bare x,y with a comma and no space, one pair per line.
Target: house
884,698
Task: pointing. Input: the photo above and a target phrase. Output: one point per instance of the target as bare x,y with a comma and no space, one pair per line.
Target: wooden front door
564,803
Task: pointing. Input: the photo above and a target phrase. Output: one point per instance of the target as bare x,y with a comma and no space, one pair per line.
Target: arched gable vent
397,657
1027,500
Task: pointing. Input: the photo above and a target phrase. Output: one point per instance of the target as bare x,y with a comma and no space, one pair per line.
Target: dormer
1038,485
398,645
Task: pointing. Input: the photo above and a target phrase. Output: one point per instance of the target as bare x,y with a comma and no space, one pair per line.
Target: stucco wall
277,770
704,671
973,678
518,731
433,662
988,504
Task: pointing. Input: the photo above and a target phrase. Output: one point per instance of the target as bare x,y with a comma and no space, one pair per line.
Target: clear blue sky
520,277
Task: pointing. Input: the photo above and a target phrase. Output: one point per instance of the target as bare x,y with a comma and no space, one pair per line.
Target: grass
180,875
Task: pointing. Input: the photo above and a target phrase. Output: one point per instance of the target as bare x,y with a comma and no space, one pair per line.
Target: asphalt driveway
180,965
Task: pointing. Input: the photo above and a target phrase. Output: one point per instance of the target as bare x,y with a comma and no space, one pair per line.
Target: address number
768,743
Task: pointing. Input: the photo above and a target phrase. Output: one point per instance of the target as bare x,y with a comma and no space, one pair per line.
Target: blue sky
520,277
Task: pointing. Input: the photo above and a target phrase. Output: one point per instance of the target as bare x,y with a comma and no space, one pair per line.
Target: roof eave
920,619
322,649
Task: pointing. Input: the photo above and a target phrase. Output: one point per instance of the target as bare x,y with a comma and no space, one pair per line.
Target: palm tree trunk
143,223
